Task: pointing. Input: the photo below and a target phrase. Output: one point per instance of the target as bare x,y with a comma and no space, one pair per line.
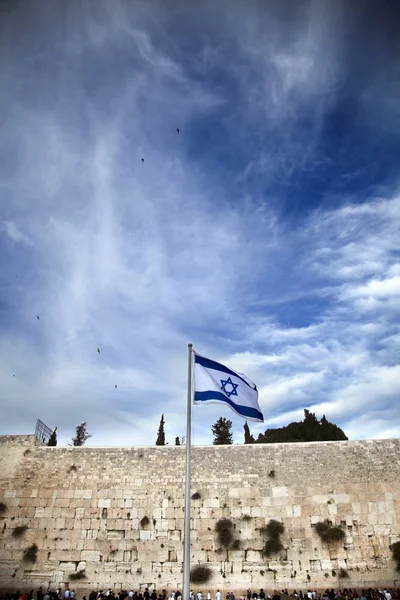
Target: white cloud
138,258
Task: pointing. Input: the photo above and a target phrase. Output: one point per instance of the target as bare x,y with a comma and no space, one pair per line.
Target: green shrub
19,531
3,507
30,553
329,533
196,496
200,574
224,529
343,574
271,473
144,521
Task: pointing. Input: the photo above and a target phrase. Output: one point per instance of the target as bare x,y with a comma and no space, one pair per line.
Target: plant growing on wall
3,507
329,533
224,529
30,553
396,554
200,574
144,521
343,574
272,532
196,496
19,531
78,575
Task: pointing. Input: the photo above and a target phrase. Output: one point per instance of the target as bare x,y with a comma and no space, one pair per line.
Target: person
218,595
67,594
262,594
199,595
209,595
92,595
146,594
153,595
191,595
248,594
72,594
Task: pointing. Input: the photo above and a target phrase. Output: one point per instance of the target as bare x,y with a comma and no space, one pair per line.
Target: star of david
232,392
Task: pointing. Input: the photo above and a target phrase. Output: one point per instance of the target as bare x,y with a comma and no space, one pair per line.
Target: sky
266,232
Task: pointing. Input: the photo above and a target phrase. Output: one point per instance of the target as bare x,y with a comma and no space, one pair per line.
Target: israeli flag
215,383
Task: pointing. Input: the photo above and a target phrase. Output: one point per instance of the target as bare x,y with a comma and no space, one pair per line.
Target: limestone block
280,492
104,502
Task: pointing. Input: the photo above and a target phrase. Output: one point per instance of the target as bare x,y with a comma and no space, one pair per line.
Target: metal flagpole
186,539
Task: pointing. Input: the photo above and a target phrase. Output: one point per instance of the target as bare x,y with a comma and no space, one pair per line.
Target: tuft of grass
196,496
144,521
200,574
72,469
19,531
3,507
78,575
246,518
272,531
272,473
329,533
343,574
30,553
274,528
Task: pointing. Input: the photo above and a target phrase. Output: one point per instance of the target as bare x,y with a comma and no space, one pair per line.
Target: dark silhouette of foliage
343,574
196,496
272,473
236,545
222,432
53,438
246,518
160,441
177,441
329,533
3,507
396,554
72,468
248,438
309,430
78,575
200,574
19,531
144,521
81,435
30,554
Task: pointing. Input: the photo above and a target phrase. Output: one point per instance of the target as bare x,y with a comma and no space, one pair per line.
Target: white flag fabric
215,383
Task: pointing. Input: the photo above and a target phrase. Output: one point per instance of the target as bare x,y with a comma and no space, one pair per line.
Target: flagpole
186,538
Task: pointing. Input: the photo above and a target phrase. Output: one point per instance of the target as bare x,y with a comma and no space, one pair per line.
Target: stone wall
83,509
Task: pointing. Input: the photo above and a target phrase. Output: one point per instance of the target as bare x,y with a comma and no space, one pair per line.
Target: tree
309,430
222,432
248,438
160,441
81,435
177,441
53,438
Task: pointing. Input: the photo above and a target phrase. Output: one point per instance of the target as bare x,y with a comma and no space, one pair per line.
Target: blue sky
266,232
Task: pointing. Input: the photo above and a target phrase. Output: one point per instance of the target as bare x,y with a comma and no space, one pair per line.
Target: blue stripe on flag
212,364
243,411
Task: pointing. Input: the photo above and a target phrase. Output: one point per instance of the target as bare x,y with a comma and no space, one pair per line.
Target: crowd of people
147,594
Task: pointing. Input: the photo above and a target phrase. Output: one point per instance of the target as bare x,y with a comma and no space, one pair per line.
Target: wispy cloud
232,234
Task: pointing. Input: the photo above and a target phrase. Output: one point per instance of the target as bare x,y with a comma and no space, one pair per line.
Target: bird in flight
115,387
142,159
38,318
13,375
98,350
177,130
